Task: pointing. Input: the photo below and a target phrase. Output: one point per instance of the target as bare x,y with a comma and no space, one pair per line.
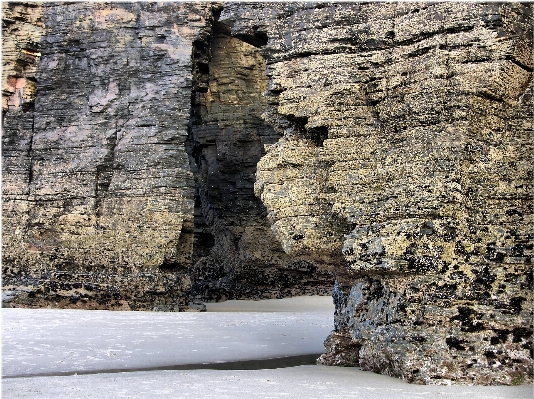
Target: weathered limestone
406,161
98,205
98,185
22,26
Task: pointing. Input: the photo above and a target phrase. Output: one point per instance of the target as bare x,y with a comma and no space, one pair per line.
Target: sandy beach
235,350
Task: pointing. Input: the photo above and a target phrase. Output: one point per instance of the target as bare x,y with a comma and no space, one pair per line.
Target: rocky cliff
99,200
406,162
236,255
131,137
390,145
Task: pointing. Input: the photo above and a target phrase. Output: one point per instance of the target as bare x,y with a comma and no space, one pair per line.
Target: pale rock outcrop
405,161
22,25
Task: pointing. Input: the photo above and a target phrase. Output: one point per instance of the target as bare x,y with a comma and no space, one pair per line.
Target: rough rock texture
99,186
395,143
97,193
406,160
22,27
236,253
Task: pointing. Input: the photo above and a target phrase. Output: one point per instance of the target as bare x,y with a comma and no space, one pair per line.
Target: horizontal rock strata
98,194
99,188
390,145
405,150
236,253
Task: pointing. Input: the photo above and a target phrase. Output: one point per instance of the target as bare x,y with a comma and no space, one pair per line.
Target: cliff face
405,160
236,253
390,145
99,202
131,138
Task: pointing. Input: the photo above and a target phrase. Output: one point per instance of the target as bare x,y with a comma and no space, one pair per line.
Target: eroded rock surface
105,206
22,26
98,205
405,160
390,144
236,253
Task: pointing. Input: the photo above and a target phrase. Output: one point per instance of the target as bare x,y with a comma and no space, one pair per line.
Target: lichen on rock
405,151
388,144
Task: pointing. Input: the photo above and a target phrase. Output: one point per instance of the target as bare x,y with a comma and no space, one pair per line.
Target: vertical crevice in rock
104,172
235,253
29,153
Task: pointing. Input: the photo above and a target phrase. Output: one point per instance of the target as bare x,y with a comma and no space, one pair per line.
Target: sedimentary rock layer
22,26
390,144
406,160
236,253
97,193
99,188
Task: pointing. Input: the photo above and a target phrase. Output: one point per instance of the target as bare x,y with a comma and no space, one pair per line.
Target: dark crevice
201,56
196,152
168,266
420,52
519,63
30,153
257,38
104,172
223,158
317,135
276,91
299,123
489,96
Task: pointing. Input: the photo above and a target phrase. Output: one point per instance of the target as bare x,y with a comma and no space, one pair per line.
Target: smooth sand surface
37,341
70,354
310,382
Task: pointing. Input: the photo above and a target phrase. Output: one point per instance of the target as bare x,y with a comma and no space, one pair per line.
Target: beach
237,349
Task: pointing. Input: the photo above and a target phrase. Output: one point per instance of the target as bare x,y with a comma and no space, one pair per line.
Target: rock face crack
235,253
105,171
